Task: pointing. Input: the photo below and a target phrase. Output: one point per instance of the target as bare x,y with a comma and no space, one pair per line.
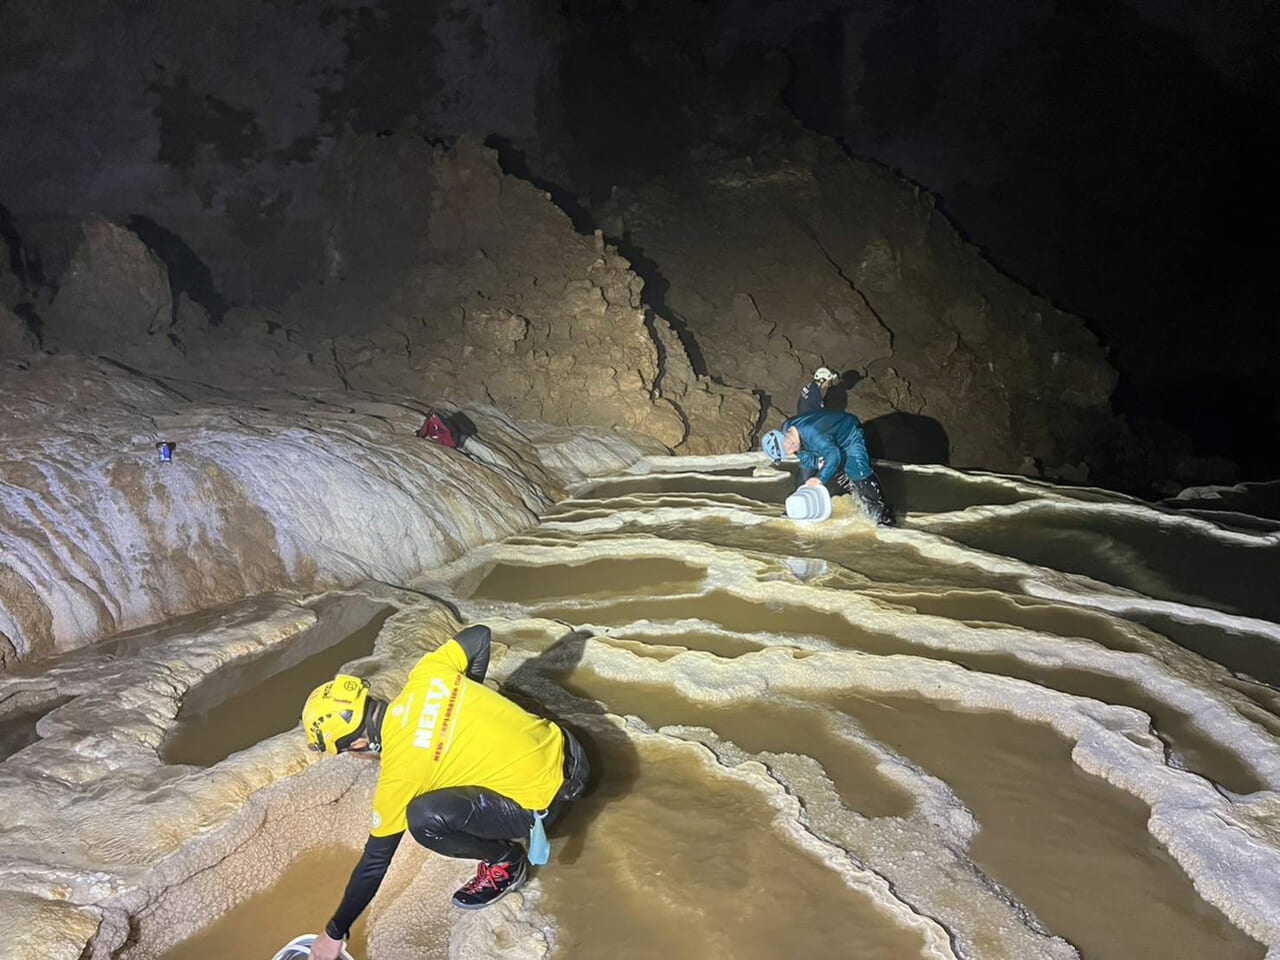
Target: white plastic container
809,503
299,947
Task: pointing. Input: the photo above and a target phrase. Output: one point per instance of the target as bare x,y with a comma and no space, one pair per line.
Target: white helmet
824,374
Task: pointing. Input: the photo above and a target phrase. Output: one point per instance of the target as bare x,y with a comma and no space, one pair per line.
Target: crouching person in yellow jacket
464,770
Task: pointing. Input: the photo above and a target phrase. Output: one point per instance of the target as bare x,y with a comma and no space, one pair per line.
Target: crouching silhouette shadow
615,764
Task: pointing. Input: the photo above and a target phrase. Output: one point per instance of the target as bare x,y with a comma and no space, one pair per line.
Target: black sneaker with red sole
492,882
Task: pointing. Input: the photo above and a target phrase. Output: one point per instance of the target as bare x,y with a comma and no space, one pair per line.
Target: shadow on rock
907,438
187,272
837,396
537,684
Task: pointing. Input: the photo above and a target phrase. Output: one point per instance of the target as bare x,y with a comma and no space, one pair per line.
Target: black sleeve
364,883
475,644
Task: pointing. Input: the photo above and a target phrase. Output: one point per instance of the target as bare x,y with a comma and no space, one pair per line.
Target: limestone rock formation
493,293
718,418
303,491
798,255
115,295
16,340
446,278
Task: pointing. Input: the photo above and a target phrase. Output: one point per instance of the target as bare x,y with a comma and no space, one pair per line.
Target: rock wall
447,278
794,256
214,125
489,289
16,338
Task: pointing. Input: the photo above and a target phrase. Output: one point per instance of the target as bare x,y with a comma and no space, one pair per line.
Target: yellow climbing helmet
333,712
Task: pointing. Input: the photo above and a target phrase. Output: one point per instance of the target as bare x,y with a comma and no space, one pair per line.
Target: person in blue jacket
830,442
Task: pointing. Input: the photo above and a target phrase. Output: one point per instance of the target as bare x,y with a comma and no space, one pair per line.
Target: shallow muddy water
259,926
248,701
663,857
768,490
1164,560
921,492
758,726
1070,846
639,576
818,740
18,726
1112,890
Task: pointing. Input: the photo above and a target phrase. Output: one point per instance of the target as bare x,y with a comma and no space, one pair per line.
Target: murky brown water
918,493
860,551
1193,748
18,727
1170,561
988,606
637,576
665,860
757,726
1256,654
301,902
734,613
1035,806
249,701
767,489
1070,846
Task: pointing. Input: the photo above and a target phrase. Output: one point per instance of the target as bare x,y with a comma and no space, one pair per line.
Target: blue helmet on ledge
771,444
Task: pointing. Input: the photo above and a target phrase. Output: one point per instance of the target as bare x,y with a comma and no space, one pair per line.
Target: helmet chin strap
373,715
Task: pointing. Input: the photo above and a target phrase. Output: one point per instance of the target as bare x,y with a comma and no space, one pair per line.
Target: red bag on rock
436,429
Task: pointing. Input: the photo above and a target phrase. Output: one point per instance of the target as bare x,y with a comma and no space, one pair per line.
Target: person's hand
325,948
813,482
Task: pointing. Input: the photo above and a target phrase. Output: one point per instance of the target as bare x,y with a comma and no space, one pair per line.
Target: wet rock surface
780,683
293,490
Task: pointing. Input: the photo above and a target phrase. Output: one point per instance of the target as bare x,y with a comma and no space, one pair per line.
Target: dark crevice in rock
808,231
26,311
25,266
513,161
661,348
187,272
654,296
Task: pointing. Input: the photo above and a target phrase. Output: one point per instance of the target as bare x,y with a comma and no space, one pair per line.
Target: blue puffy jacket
835,438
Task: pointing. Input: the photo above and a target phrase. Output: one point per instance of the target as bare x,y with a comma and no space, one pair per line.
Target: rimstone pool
1031,722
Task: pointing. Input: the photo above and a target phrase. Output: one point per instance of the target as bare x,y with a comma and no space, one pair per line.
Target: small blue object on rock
165,450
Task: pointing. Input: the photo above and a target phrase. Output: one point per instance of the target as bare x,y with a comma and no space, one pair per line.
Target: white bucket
299,947
809,503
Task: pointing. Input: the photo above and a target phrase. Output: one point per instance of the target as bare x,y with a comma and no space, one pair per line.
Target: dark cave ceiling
1112,156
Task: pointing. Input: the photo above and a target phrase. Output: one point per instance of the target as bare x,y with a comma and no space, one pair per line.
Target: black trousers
479,824
868,491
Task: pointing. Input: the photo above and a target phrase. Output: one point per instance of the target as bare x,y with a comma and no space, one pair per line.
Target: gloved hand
325,948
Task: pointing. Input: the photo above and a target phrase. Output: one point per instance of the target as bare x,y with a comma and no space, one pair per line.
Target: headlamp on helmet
334,713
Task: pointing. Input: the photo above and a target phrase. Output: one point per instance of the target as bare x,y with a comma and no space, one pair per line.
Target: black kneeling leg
468,822
868,491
